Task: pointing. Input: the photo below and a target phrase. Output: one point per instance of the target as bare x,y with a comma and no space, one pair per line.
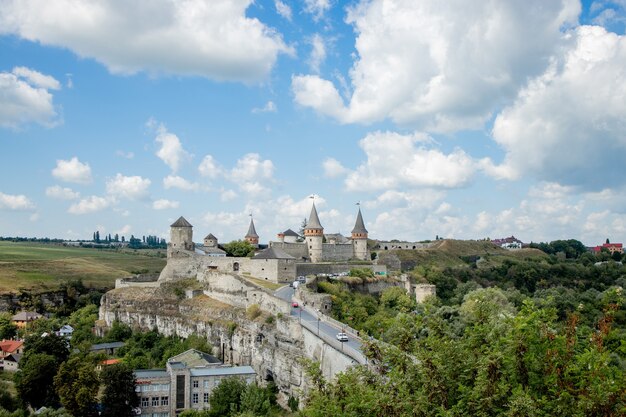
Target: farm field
29,266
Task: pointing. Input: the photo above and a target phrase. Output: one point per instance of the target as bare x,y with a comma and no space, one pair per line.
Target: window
155,401
145,401
165,400
138,388
145,388
195,384
194,398
206,384
206,397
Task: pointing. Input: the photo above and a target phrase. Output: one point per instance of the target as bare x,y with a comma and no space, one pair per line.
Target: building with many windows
186,383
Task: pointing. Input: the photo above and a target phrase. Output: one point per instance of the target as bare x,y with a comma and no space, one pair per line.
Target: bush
253,311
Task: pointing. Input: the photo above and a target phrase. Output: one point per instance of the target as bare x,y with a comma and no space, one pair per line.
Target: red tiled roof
110,362
10,346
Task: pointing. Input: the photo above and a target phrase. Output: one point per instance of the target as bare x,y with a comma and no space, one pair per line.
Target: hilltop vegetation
35,266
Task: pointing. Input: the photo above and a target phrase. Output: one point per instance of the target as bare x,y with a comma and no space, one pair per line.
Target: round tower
314,236
359,238
181,237
252,237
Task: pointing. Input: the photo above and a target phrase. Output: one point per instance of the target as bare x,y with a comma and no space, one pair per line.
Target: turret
314,236
210,241
359,238
252,236
181,237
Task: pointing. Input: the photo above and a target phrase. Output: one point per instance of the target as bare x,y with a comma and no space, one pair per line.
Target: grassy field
44,266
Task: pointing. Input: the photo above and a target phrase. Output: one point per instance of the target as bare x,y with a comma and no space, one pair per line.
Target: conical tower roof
314,220
359,226
181,222
251,230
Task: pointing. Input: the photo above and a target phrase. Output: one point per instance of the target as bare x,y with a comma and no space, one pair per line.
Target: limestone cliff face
272,349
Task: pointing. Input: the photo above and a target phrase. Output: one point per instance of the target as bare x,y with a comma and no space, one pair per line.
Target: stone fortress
282,261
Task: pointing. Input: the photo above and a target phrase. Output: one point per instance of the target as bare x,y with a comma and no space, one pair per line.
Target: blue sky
463,119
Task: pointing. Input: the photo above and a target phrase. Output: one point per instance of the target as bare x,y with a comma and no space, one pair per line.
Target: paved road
323,327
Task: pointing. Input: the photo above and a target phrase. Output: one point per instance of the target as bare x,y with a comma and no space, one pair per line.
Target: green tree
77,385
225,399
34,381
119,396
8,329
239,248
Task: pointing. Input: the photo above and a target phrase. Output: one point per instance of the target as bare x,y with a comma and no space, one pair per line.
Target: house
186,383
65,331
22,318
106,348
611,247
510,242
10,354
11,362
107,362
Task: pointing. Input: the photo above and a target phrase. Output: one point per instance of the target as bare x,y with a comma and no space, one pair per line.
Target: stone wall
332,252
335,268
238,292
297,250
383,246
275,270
142,280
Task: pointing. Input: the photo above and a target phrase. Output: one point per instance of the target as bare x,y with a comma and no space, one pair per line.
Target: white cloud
131,187
283,9
567,126
24,98
394,160
228,195
15,202
62,193
171,151
209,167
72,171
90,204
318,53
125,155
269,107
317,8
37,79
174,181
250,172
124,230
439,65
212,39
333,168
164,204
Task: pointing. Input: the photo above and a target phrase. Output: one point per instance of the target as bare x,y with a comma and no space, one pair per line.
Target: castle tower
359,238
210,241
314,236
181,237
251,236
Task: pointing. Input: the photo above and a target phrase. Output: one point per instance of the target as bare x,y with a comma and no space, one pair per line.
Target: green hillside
45,266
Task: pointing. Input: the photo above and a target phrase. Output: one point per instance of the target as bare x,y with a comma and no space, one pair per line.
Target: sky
461,119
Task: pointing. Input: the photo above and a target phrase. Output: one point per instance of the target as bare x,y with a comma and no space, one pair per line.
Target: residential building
186,383
22,318
611,247
10,354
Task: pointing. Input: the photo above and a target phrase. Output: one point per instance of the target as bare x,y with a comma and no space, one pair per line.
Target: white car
342,337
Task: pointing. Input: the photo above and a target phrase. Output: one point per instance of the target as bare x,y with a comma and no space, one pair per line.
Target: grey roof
205,250
110,345
150,373
359,227
210,236
223,370
181,222
314,221
26,316
290,232
192,358
251,230
272,253
13,357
